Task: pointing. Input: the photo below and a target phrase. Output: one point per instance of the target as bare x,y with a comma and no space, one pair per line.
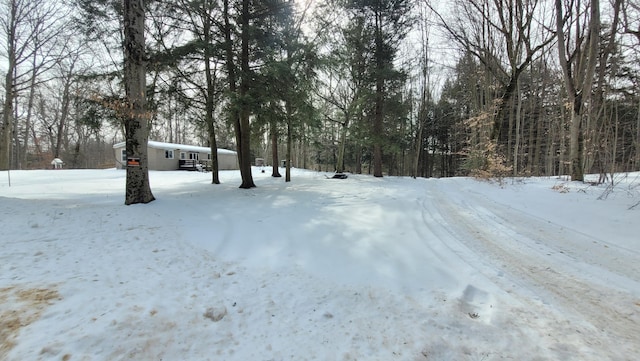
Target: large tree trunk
343,144
576,156
215,179
243,130
135,115
239,113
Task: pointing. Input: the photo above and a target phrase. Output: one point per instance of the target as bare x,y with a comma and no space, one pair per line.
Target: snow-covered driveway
316,269
592,279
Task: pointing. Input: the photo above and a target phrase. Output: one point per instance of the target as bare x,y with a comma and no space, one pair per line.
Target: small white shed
57,163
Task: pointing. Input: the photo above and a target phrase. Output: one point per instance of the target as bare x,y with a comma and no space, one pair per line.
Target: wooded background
488,88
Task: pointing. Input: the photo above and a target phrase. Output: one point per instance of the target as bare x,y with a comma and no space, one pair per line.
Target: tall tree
425,102
245,29
390,26
578,63
196,57
134,112
243,126
31,30
344,85
211,91
297,61
387,22
240,111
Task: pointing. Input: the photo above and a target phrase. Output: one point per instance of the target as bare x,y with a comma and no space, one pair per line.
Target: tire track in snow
551,238
480,227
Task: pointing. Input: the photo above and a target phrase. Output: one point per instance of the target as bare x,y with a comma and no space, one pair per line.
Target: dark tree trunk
209,105
214,157
358,159
7,116
64,115
7,123
379,99
243,130
231,75
136,118
273,129
343,145
289,115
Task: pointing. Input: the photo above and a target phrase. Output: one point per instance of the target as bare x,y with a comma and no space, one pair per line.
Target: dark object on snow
339,176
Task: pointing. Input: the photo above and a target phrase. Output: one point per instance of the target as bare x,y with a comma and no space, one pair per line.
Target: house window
123,155
193,156
183,155
209,156
168,154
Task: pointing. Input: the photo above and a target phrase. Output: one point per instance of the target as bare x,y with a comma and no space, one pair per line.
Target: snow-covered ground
317,269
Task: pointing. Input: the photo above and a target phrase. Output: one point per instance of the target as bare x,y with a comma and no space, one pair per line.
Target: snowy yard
317,269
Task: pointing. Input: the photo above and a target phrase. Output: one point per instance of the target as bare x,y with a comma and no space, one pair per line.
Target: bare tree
578,61
31,29
631,18
630,13
425,102
504,35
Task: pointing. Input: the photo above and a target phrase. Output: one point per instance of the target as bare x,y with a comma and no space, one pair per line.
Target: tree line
420,88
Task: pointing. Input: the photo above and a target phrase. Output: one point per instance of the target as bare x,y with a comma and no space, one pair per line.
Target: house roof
175,146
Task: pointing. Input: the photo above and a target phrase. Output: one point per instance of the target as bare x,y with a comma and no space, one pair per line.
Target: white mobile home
171,156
